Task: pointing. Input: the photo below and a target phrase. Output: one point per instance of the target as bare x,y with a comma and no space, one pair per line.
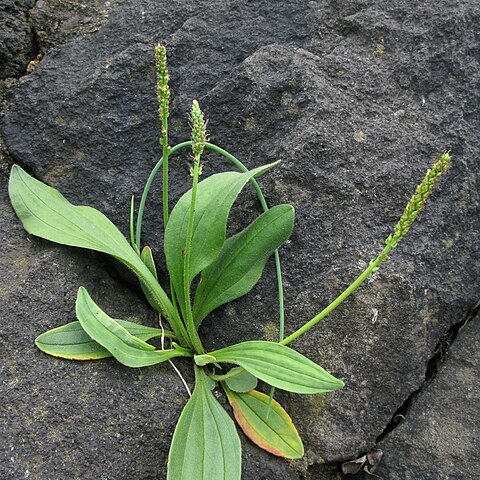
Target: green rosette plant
205,444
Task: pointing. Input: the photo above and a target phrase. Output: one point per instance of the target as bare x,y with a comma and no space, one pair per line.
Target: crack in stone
439,356
6,158
35,41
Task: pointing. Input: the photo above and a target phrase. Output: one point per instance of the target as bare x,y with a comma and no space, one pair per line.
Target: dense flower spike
163,90
199,130
416,203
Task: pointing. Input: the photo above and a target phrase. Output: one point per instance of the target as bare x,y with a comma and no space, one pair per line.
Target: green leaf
241,261
277,365
266,424
147,259
126,348
242,382
205,445
215,197
46,213
70,341
202,360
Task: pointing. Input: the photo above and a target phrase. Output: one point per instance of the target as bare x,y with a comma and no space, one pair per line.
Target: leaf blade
215,197
241,260
126,348
266,424
205,444
278,365
46,213
71,342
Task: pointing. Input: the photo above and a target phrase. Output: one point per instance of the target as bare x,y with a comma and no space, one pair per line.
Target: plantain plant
205,444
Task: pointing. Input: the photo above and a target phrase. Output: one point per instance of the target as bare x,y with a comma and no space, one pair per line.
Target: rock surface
17,38
354,98
60,21
440,437
61,419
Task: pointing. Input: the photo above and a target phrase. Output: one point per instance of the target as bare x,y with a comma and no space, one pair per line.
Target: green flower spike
412,210
199,134
416,203
199,130
163,90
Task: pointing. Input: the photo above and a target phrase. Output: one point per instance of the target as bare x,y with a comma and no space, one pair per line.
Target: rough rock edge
42,45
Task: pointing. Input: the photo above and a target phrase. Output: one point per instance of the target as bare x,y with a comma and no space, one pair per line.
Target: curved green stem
263,202
146,190
278,267
372,267
165,154
232,373
261,198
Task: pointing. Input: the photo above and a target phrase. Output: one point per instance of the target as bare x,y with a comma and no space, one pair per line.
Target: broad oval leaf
215,197
266,423
241,261
277,365
129,350
46,213
242,382
205,445
71,342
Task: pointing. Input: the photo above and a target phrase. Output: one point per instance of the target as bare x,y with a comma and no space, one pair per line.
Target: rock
355,99
439,438
381,340
17,39
60,21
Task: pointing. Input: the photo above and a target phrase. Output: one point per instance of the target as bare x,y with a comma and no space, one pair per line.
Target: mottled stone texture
62,419
60,21
355,98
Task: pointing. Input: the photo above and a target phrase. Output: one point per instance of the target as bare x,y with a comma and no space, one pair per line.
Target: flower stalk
412,210
199,133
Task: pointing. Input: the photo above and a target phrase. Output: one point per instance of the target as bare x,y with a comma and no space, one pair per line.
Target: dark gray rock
60,21
355,98
380,357
439,438
17,38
